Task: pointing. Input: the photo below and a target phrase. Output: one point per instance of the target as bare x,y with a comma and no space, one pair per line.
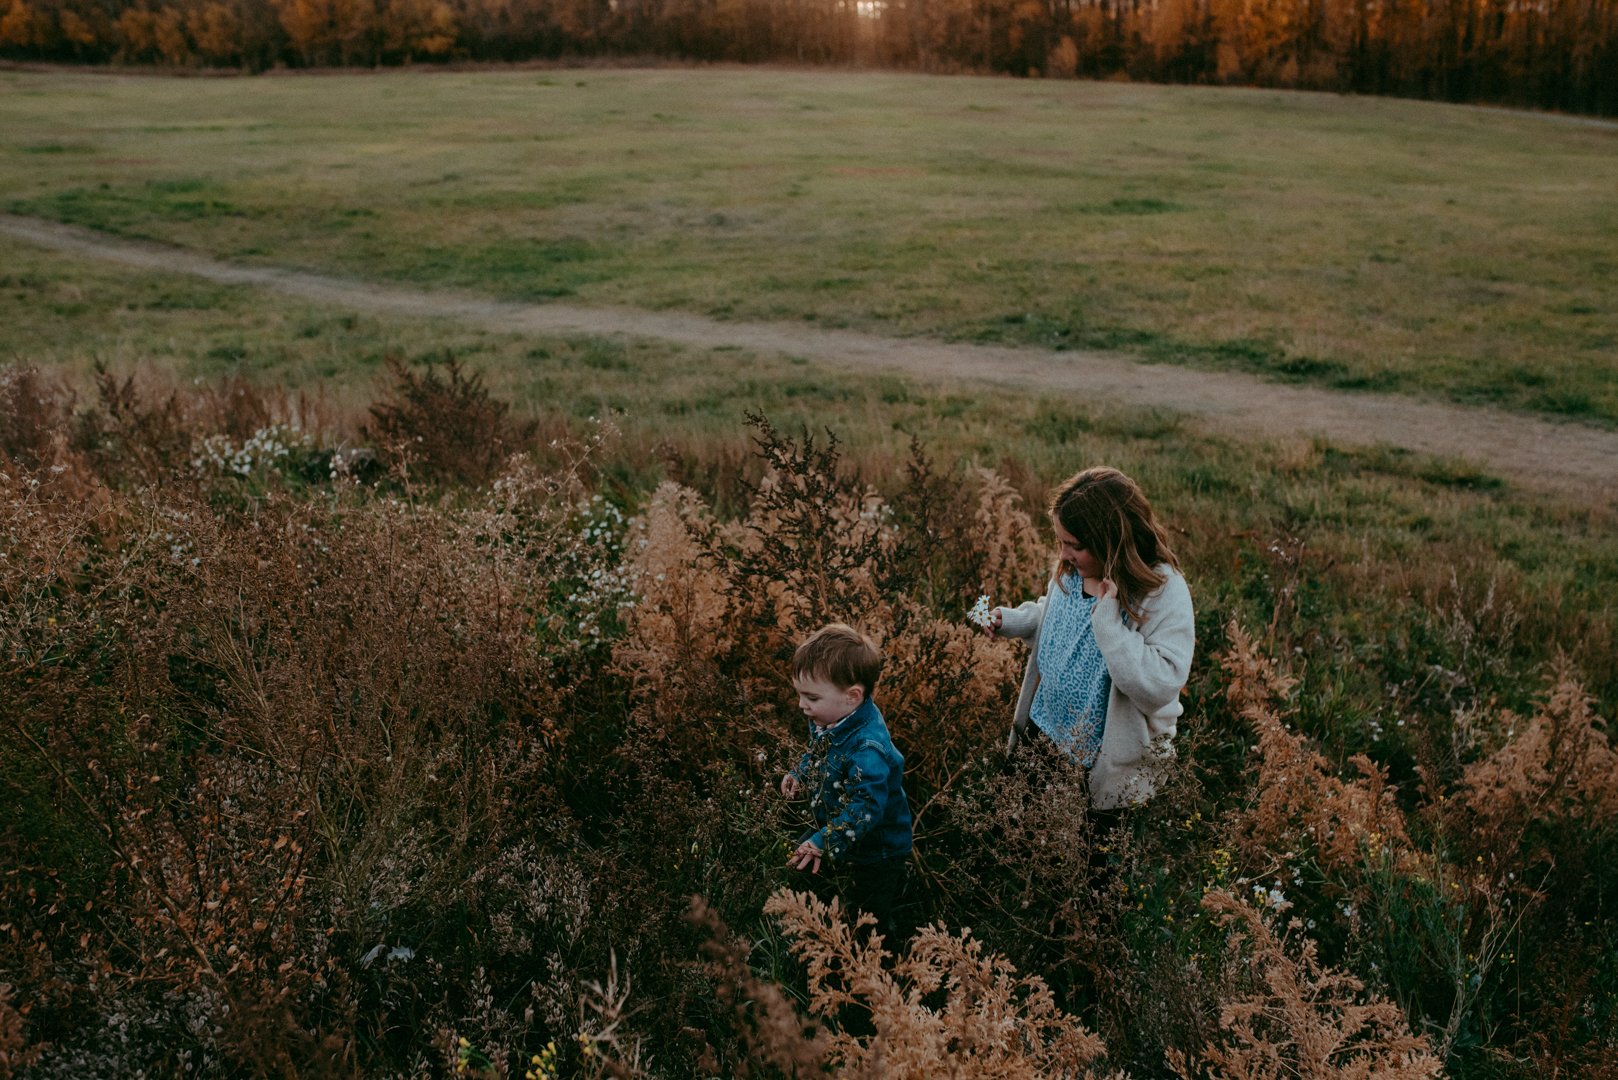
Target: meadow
1359,243
376,695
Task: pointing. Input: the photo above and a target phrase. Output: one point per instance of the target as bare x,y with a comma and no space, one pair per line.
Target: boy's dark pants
874,888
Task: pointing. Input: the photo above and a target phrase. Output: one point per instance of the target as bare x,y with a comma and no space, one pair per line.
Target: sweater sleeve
1149,666
1022,621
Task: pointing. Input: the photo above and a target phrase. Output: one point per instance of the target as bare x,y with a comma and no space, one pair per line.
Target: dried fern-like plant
1297,1017
769,1036
946,1008
15,1053
1557,766
1299,802
681,622
1012,556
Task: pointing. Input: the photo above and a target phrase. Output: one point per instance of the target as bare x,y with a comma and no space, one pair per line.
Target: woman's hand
1109,589
992,627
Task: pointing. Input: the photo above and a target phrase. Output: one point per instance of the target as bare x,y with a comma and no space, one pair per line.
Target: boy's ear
858,692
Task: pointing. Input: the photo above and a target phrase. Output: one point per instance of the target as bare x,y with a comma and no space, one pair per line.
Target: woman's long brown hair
1110,517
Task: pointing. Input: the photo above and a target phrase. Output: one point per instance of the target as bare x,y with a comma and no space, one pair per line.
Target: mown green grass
1363,244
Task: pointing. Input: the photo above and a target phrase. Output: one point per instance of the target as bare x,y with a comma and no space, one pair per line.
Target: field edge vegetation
353,738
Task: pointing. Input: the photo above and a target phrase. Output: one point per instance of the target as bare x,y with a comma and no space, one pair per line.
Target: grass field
1358,243
313,777
182,617
1376,511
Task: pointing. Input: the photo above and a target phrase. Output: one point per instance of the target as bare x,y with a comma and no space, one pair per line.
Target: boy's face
825,703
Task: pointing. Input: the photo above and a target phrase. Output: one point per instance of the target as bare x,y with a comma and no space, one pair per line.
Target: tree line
1554,54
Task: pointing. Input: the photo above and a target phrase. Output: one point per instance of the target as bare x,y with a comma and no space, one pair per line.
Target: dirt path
1567,457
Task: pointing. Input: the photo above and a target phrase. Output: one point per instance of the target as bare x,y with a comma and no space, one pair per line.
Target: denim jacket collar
845,730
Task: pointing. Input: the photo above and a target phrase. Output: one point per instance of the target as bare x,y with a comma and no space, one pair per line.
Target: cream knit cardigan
1148,663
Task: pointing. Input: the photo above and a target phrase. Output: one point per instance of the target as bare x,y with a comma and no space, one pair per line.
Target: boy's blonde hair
841,655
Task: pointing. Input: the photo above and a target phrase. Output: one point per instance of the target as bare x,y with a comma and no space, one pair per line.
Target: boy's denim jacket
855,779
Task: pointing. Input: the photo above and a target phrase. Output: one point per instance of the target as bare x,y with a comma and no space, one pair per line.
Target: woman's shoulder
1174,590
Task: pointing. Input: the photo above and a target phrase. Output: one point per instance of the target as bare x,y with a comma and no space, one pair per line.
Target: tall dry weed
133,434
946,1007
682,624
1011,554
1526,825
445,427
1557,771
1299,803
32,408
819,545
1296,1017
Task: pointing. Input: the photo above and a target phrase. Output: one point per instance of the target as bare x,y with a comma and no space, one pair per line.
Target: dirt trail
1567,457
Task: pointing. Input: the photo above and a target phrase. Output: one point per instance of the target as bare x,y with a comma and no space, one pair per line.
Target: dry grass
315,772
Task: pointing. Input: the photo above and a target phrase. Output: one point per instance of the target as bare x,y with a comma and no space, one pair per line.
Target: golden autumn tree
308,26
76,30
357,29
217,31
1555,54
1063,62
173,46
17,25
417,28
1257,40
1028,36
137,34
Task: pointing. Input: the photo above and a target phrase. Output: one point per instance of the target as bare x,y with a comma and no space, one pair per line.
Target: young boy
853,775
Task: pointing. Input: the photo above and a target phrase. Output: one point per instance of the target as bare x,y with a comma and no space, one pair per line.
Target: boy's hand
807,857
789,786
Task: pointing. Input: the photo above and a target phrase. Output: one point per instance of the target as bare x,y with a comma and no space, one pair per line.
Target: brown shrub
1557,771
15,1053
275,733
129,438
445,428
35,444
1295,1017
769,1034
947,693
1011,554
945,1008
817,548
1299,803
32,412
